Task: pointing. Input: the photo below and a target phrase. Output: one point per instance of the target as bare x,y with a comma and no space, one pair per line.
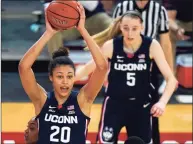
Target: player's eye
125,28
59,76
69,77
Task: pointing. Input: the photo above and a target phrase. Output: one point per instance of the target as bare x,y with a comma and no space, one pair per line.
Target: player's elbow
172,79
23,67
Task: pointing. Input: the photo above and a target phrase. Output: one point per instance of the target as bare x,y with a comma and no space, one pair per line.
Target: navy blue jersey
129,77
62,125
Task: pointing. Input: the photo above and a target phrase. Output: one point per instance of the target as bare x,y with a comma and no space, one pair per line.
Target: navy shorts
117,114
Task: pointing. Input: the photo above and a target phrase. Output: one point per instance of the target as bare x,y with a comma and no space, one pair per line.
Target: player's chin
65,93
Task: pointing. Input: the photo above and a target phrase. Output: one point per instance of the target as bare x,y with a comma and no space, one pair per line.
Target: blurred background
22,23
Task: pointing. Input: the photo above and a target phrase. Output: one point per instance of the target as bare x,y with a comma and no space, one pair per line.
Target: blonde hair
114,29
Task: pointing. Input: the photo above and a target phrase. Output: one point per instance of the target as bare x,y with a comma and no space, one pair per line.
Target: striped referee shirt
154,15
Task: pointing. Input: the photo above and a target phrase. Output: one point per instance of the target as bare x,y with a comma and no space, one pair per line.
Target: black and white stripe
155,19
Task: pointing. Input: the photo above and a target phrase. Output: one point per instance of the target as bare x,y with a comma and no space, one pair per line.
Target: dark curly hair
60,57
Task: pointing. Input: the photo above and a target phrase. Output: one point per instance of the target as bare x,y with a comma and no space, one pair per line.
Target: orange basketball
63,14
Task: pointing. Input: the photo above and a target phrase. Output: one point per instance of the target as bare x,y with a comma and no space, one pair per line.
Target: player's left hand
81,22
158,109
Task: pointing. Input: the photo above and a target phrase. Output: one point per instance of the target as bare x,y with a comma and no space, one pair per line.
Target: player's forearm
167,49
169,59
85,70
169,89
97,55
32,54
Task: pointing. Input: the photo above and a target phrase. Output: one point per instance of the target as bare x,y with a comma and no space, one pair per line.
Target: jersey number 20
130,79
64,133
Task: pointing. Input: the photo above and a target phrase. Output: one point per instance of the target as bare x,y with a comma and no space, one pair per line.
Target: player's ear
142,27
50,77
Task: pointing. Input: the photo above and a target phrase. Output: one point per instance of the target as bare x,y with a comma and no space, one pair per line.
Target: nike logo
119,57
145,105
51,107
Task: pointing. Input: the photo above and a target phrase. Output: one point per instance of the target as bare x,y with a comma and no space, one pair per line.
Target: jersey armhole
46,102
80,108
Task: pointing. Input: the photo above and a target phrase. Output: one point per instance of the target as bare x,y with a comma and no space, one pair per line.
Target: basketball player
63,114
31,133
128,100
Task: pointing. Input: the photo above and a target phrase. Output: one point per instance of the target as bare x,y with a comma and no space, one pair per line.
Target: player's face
131,28
63,80
31,133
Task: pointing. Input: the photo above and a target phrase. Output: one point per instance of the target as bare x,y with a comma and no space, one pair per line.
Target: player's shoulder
154,44
109,42
107,48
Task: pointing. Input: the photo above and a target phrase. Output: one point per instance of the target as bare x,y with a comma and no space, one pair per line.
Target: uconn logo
130,67
61,119
58,21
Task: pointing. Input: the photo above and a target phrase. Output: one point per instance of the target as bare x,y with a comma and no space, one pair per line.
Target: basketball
63,14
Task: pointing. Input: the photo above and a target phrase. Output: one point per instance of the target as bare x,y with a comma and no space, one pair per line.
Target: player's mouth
64,89
130,39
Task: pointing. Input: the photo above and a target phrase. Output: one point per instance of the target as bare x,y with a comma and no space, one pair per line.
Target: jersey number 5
130,79
64,133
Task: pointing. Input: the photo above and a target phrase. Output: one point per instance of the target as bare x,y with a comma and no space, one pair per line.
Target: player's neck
133,46
141,3
61,99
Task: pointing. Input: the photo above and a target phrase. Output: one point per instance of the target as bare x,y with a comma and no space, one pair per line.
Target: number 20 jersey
65,125
129,76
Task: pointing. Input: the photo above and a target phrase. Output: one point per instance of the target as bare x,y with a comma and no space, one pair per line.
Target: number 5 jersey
129,76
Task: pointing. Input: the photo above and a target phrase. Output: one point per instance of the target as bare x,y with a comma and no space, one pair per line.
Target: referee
155,22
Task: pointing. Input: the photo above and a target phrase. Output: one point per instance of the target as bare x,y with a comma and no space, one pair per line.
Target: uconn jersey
129,77
65,125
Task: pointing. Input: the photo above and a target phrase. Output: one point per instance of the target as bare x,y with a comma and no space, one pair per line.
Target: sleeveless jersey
62,125
129,77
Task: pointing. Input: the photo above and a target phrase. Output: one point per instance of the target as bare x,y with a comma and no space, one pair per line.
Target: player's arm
35,92
98,76
90,90
167,49
85,70
157,53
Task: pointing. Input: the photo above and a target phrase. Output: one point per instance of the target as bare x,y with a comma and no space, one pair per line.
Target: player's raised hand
81,22
49,28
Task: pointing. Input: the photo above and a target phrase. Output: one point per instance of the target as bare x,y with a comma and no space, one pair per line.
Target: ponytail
112,31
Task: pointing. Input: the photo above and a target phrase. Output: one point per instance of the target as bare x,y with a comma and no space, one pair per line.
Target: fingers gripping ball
63,14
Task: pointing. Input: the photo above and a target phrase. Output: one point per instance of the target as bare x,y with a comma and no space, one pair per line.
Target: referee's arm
165,38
